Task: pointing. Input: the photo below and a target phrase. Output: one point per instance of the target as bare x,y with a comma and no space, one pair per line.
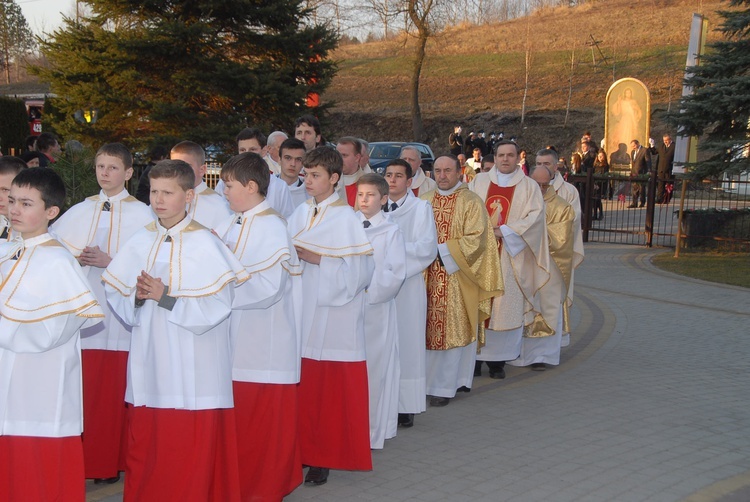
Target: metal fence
716,212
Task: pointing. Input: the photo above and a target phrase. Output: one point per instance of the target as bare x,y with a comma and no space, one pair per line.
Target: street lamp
88,116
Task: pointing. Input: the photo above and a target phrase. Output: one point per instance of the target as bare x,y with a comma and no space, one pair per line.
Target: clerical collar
401,201
376,220
252,212
451,190
503,179
327,202
175,229
201,187
120,196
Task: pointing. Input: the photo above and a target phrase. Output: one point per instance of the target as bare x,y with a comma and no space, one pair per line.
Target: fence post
650,207
588,203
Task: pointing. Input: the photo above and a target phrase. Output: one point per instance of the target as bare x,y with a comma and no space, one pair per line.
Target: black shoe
632,206
478,368
406,419
498,374
439,401
538,366
463,388
316,476
106,481
642,204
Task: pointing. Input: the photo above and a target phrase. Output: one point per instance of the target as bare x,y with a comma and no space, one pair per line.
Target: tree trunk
570,85
416,113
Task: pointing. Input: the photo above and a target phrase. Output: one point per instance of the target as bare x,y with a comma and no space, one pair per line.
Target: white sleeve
344,279
39,336
279,197
198,315
423,251
389,275
262,290
445,256
123,306
513,242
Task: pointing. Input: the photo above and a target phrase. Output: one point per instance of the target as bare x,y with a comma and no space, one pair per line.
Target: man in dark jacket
640,164
664,162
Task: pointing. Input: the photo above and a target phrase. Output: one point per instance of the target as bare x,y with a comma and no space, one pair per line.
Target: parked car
382,152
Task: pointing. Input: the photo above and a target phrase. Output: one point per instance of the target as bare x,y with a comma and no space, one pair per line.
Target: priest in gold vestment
460,282
543,332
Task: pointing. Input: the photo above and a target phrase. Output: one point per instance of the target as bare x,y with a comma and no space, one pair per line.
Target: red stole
416,192
351,194
437,277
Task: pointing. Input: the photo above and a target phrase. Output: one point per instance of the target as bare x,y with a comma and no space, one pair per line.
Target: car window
385,152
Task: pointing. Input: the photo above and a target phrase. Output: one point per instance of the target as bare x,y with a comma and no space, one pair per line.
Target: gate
716,212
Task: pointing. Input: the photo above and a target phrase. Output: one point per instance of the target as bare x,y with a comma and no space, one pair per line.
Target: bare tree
16,39
419,13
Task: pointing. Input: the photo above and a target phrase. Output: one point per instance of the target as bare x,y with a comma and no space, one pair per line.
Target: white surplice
333,291
265,331
86,224
381,326
44,301
422,183
179,358
297,192
278,196
417,223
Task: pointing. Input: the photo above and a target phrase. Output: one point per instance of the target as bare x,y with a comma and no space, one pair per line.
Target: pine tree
719,108
198,70
16,38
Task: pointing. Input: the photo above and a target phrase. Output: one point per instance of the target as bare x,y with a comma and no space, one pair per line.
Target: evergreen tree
719,108
198,69
16,38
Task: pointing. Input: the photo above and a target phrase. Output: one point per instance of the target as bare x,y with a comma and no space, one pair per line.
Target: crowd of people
296,316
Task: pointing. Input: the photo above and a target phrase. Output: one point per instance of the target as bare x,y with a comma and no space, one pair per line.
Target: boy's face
238,196
198,169
318,183
398,183
168,200
369,199
112,174
250,145
27,212
306,134
5,183
291,162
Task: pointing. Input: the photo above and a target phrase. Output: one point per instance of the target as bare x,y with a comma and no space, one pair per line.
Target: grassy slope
474,75
731,269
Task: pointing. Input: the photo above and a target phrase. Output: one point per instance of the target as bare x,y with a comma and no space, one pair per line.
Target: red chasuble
416,192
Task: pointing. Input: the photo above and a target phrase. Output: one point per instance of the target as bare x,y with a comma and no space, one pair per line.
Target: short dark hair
251,133
43,160
11,165
326,157
488,158
506,142
247,167
48,182
291,144
309,120
454,158
376,180
179,170
402,163
45,141
29,142
117,150
158,152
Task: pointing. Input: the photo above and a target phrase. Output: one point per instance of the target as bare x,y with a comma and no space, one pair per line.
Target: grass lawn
724,268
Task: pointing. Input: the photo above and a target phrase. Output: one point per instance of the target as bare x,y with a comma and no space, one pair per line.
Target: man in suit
455,141
640,164
664,162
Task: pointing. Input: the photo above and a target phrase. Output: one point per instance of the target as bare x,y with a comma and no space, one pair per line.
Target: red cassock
104,411
25,465
159,470
334,415
269,458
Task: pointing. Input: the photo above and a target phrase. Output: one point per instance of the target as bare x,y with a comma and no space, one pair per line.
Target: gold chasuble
457,304
561,219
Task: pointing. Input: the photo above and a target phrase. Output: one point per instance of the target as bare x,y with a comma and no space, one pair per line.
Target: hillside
474,75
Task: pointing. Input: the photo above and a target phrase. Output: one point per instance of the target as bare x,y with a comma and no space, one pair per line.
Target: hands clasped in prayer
148,288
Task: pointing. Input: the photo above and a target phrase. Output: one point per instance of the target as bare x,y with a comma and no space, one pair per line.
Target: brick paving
650,403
